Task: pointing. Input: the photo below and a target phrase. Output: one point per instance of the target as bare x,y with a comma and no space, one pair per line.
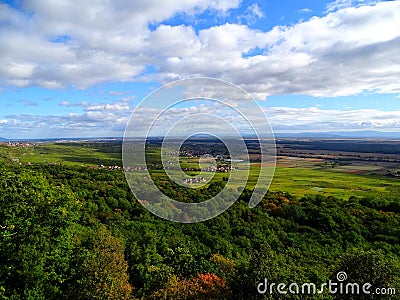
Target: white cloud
256,10
349,51
305,10
65,103
111,122
314,119
96,119
123,106
251,14
100,107
102,40
341,4
29,103
79,104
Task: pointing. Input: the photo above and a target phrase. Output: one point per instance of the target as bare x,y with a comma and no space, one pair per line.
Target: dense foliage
78,233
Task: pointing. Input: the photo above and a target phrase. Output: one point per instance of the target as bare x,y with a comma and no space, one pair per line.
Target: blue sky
78,69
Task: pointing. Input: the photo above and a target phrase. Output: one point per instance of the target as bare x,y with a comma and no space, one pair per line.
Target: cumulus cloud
347,52
315,119
351,50
54,43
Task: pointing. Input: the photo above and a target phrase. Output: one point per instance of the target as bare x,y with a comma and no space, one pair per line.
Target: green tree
373,267
36,240
104,275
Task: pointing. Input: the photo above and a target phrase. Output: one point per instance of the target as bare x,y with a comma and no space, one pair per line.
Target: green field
303,181
68,154
299,178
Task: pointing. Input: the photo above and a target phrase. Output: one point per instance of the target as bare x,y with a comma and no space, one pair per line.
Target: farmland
298,170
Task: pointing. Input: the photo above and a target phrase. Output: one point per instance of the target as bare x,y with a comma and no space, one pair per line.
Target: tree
202,287
104,276
36,240
373,267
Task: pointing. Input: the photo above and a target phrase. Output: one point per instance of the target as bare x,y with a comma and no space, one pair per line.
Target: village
17,144
194,180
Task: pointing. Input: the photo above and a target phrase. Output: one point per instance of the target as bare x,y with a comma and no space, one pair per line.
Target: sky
79,68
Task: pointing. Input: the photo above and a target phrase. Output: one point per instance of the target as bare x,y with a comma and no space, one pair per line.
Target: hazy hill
340,134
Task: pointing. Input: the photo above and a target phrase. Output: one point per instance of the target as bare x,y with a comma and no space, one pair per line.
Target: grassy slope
58,153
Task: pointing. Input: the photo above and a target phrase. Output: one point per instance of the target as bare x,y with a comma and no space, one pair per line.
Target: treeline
361,146
77,233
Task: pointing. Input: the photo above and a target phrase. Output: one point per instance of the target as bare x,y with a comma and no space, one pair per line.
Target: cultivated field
302,167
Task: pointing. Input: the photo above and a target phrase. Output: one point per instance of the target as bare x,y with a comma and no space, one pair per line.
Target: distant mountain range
364,134
340,134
